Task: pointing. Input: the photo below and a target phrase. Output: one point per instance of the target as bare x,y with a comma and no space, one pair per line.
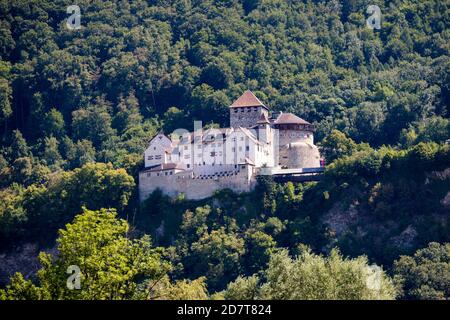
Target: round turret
296,142
302,154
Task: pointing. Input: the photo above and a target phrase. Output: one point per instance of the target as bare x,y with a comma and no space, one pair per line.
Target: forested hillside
78,107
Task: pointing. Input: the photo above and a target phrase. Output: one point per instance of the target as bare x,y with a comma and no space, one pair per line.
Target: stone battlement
197,187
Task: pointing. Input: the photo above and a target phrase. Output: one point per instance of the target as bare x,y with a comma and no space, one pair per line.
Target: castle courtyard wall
196,187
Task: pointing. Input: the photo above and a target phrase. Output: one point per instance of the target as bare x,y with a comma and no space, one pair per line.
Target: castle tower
296,142
247,110
264,130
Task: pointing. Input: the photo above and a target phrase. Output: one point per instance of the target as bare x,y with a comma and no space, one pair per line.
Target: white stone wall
196,186
266,154
232,150
155,153
186,153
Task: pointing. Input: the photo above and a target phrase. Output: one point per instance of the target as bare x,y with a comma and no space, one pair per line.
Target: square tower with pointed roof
247,110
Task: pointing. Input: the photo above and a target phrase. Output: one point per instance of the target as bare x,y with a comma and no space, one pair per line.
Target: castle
258,142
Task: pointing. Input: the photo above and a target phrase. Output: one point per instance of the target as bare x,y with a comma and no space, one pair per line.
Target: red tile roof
289,118
248,99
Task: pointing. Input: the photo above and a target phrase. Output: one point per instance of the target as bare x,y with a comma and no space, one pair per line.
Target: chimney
275,114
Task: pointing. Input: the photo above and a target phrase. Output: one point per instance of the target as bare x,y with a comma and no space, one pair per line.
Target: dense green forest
78,107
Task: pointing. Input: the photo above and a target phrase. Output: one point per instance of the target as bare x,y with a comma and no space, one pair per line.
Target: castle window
188,166
150,158
149,174
199,146
236,110
242,110
165,173
171,172
249,109
157,174
213,154
240,148
242,138
186,156
233,149
185,147
247,148
255,109
158,157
